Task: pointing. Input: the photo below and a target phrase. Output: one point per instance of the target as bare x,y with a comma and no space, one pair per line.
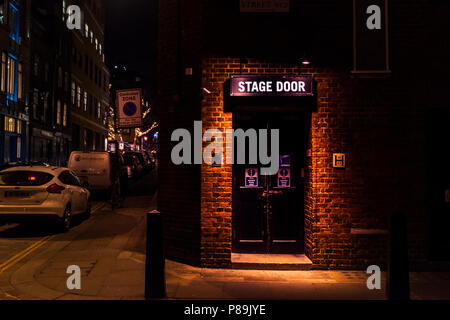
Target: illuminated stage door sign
251,178
370,36
264,5
129,108
284,178
271,86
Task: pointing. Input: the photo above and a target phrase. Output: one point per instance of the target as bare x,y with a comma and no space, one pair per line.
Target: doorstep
270,261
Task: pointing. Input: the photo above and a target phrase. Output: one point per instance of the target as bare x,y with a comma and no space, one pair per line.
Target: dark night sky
130,36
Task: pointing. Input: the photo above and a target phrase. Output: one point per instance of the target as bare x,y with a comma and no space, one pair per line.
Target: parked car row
31,191
138,163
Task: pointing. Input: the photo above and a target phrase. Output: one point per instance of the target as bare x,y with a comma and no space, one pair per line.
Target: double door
268,209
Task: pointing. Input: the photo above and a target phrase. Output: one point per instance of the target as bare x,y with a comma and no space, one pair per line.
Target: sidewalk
110,250
119,274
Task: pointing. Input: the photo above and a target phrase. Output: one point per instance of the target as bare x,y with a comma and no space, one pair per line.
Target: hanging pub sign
129,111
370,36
264,5
271,86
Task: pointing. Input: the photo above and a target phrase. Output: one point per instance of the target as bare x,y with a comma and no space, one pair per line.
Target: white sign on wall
251,177
264,5
338,160
129,108
284,178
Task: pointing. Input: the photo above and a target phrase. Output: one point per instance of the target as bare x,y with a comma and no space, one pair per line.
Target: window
66,81
86,29
19,147
67,178
92,37
14,22
20,82
73,93
19,127
93,106
45,113
79,97
60,77
46,72
10,124
100,49
58,112
36,65
63,10
99,110
2,18
65,115
85,98
3,81
96,44
11,83
22,178
35,103
90,103
74,55
86,64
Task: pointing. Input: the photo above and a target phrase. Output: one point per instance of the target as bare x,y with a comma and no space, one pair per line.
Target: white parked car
36,192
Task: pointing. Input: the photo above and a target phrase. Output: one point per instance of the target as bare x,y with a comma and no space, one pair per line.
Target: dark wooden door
268,216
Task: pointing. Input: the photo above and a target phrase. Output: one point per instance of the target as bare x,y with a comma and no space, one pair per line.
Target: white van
99,169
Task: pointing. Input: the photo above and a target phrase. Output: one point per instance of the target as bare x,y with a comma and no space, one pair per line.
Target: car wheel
66,220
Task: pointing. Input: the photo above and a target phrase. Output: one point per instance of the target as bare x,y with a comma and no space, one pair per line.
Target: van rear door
93,168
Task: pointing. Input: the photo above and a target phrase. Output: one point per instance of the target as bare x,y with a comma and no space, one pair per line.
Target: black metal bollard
155,279
398,271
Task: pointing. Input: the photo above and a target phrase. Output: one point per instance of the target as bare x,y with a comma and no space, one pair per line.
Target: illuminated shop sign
271,86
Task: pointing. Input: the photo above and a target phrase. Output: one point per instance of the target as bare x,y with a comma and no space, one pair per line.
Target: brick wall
378,123
358,117
179,186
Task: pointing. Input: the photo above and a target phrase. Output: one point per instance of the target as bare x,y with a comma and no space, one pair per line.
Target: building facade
54,90
360,148
14,43
90,98
49,84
